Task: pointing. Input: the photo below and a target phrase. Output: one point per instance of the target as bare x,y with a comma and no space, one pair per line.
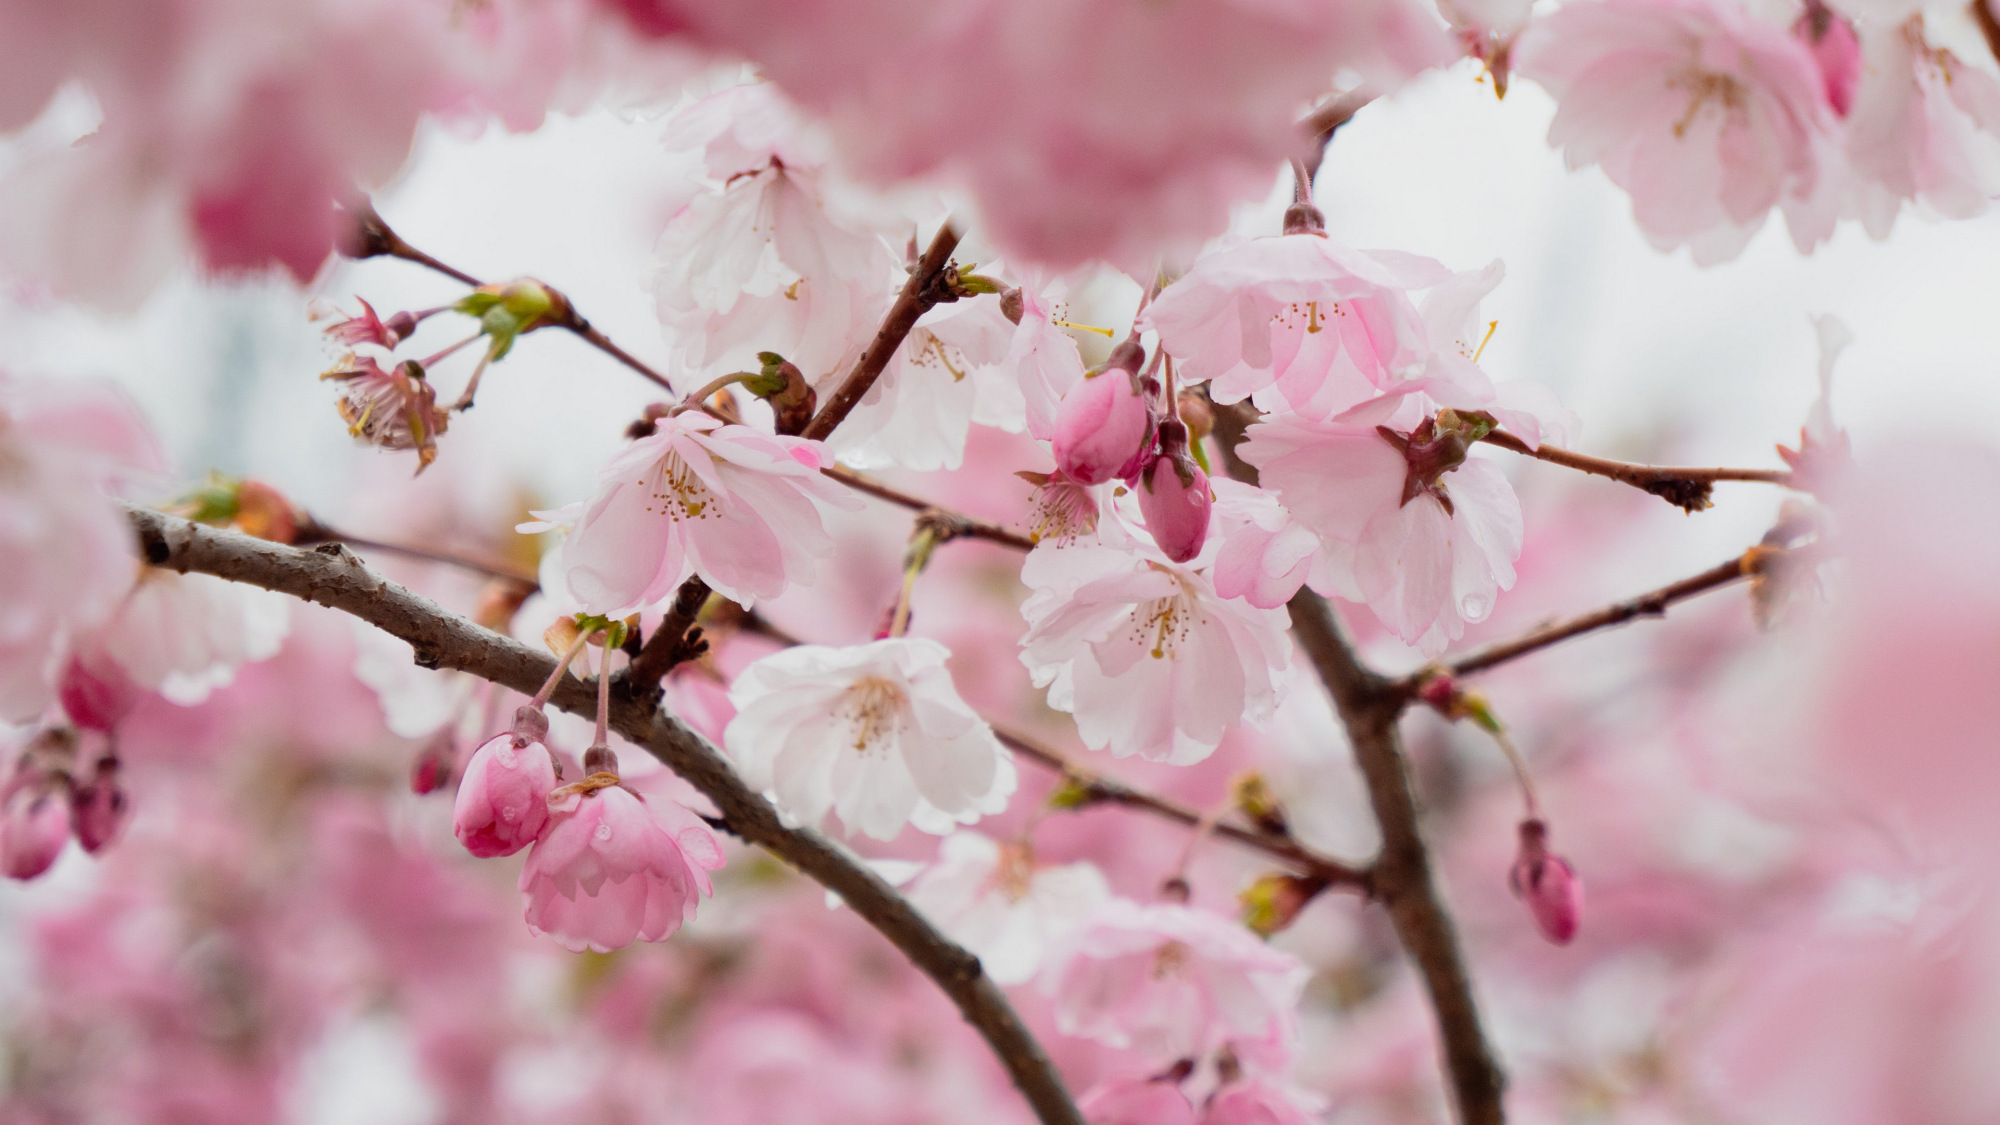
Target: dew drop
510,813
603,832
507,756
1474,607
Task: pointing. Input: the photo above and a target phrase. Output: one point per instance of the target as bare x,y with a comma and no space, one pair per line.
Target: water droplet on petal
510,813
507,757
1475,607
603,832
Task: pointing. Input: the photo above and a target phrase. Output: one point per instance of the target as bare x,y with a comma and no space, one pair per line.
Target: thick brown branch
676,640
1402,877
330,575
372,237
1651,604
1109,790
1686,488
962,526
926,288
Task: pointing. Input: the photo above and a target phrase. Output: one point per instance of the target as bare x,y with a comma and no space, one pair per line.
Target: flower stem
698,400
603,739
555,677
445,354
1521,777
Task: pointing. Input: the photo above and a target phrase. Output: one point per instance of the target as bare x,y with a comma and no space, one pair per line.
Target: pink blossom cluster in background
1059,538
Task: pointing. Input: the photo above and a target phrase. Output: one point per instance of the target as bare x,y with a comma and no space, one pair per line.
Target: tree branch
331,576
1685,488
673,642
962,526
1651,604
927,287
1402,878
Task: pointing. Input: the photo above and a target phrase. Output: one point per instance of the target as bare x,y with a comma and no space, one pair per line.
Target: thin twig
330,575
1654,603
1326,119
962,526
927,287
311,532
1686,488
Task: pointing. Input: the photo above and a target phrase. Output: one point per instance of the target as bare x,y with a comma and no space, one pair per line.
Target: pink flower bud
1101,427
434,766
33,829
503,799
1835,50
1547,884
101,810
96,700
1174,496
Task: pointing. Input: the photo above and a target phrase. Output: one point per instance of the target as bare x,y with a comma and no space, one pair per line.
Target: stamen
1491,327
1104,332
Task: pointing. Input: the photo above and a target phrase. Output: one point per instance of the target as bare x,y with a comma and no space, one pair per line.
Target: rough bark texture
332,576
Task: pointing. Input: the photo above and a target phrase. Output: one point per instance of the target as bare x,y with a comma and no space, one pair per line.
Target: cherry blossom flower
1172,982
1322,326
874,734
1836,50
502,802
1706,116
995,900
184,635
1061,509
1135,1101
949,374
1044,359
1144,653
1925,127
1451,374
733,505
369,328
1408,523
1265,554
1102,427
612,867
65,548
391,409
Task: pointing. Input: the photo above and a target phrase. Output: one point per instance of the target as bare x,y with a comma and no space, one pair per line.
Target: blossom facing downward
1145,653
1705,115
1172,982
1101,427
733,505
1174,496
1000,904
390,409
613,867
874,734
502,802
1547,884
1265,554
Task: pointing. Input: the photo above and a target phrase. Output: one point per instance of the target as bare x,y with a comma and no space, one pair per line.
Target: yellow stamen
1104,332
1491,327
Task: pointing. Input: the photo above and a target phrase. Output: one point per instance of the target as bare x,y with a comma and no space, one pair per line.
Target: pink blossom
1144,652
733,505
67,551
1135,1101
949,373
1174,497
1061,509
502,803
1002,905
368,328
1547,883
1101,427
1043,357
1259,1102
100,808
1409,524
1265,554
184,635
34,826
1835,50
612,868
874,733
96,698
390,409
1172,982
1323,326
1706,116
1925,127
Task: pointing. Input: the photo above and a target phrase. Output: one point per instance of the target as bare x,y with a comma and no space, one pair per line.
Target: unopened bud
1252,796
502,803
1102,426
100,808
784,386
96,699
1547,884
434,765
1174,496
34,825
1012,305
1273,902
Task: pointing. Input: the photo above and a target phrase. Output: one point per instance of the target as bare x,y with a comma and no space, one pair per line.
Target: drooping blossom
999,903
1174,496
67,552
733,505
758,262
613,867
184,635
1136,1101
390,409
948,374
1265,554
1408,522
1144,652
1317,325
874,734
1071,152
1924,128
1102,427
502,802
1547,884
1061,509
1705,115
1172,982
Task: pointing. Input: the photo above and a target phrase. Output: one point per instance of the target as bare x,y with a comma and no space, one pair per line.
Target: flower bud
1273,902
100,808
96,699
433,768
1547,884
1835,51
1101,427
1174,496
502,800
33,828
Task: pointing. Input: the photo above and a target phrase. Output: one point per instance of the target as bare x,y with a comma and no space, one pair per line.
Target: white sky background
1659,357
